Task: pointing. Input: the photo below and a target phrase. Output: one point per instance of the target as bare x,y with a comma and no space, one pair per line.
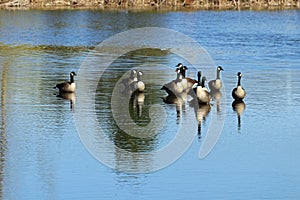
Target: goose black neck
178,76
138,77
203,83
182,71
218,74
239,81
71,78
199,79
131,76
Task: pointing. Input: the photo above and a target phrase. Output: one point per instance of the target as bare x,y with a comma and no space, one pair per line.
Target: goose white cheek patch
98,142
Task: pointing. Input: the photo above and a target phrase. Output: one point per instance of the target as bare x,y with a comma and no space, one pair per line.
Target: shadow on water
239,107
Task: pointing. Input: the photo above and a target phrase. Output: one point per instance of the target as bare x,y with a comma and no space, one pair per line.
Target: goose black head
139,74
185,68
199,74
179,65
239,74
73,74
132,73
220,68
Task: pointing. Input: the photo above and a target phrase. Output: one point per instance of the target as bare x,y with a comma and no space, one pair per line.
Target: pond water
45,153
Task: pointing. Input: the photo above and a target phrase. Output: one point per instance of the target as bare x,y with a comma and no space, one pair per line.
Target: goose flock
177,90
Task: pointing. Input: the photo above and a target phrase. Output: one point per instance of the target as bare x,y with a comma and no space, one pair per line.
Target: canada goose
193,92
179,65
215,85
187,83
138,85
202,93
124,84
68,86
174,87
239,92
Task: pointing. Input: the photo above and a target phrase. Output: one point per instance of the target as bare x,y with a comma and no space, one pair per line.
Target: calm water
42,156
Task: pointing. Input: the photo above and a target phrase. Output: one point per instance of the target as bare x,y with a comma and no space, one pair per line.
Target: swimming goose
174,87
193,92
187,83
124,84
239,92
215,85
202,93
138,85
68,86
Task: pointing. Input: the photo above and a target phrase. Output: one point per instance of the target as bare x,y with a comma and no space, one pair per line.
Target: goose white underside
140,86
215,84
240,92
202,95
68,87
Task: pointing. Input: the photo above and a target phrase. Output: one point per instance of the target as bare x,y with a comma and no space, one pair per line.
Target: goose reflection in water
178,100
216,96
68,96
239,107
138,102
201,112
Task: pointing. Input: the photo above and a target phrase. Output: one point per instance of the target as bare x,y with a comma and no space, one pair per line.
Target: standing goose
239,92
68,86
202,93
215,85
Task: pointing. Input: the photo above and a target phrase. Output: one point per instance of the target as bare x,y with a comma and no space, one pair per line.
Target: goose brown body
68,86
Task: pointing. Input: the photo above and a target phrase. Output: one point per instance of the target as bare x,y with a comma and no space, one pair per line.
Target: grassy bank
153,4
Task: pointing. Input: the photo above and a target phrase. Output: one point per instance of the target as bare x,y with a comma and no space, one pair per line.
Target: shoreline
151,5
